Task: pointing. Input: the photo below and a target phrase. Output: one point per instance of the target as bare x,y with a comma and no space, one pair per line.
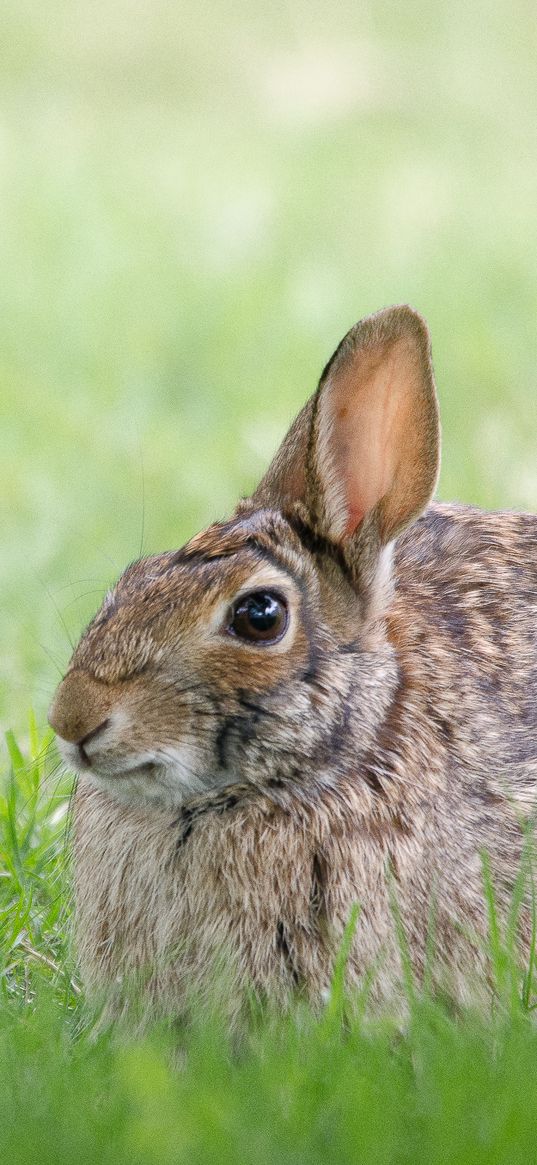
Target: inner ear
375,435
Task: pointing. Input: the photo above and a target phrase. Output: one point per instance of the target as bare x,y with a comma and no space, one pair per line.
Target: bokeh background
196,202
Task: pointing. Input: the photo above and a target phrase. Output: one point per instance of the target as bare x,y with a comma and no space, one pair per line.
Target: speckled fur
391,743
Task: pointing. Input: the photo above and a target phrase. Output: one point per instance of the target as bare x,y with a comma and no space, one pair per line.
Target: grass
196,202
33,886
441,1093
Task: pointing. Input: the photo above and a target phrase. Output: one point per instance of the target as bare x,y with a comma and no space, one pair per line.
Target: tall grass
34,901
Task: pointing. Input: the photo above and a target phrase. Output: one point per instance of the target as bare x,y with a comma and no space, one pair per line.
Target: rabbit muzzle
99,738
90,724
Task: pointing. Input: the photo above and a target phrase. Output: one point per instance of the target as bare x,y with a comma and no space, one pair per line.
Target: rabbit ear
363,454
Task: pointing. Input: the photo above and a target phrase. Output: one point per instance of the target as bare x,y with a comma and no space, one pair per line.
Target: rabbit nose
80,710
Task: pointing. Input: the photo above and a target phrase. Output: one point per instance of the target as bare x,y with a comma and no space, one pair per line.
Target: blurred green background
196,202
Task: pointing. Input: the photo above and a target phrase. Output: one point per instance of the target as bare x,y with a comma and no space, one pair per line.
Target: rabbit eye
260,617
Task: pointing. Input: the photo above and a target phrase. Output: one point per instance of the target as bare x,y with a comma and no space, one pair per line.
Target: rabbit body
368,754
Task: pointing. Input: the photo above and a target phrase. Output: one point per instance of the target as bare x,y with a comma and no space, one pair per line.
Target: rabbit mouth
165,778
149,769
105,767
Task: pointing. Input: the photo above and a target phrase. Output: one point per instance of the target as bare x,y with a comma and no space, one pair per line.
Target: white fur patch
163,777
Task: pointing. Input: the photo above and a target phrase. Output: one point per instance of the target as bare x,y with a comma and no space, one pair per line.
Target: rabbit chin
163,780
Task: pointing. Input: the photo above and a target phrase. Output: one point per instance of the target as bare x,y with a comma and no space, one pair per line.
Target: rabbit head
258,653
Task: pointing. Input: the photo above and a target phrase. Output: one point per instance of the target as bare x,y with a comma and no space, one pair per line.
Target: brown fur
374,752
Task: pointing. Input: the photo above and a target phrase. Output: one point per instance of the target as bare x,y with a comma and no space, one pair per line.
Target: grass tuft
34,898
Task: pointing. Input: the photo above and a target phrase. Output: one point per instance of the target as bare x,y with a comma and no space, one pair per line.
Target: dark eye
260,617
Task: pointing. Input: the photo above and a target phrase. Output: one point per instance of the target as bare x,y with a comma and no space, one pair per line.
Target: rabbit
329,699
